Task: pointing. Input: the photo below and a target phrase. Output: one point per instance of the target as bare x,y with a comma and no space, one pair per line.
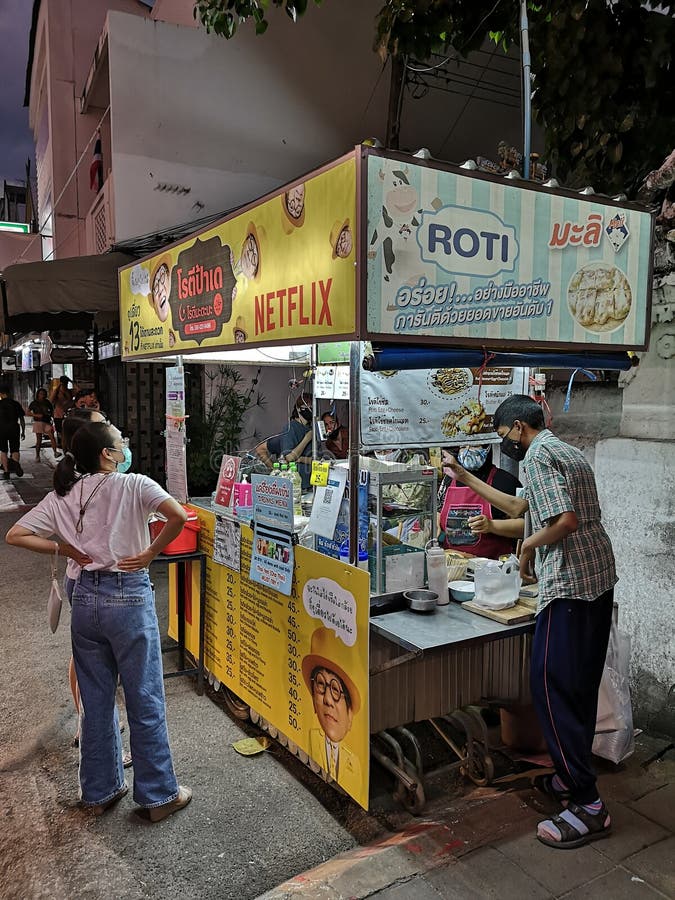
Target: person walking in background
577,575
62,399
42,412
12,432
87,399
100,519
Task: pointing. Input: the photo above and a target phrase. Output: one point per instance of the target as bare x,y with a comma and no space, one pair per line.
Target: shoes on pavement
15,466
157,813
5,476
100,808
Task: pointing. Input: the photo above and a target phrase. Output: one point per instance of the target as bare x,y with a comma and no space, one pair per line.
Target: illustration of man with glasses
336,701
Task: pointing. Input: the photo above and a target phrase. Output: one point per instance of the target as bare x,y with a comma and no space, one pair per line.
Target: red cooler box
186,542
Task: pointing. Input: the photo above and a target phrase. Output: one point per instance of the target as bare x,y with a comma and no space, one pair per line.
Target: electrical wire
463,109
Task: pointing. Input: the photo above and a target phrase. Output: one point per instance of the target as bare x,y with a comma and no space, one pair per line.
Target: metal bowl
421,601
462,591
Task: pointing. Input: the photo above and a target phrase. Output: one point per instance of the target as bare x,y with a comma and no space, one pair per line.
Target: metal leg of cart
408,774
476,762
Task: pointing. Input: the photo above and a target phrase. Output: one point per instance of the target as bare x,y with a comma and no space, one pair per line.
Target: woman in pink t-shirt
99,516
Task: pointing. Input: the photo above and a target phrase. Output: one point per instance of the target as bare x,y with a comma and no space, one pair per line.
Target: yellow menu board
301,662
283,270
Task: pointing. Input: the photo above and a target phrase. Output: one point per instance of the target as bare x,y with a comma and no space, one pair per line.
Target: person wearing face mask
577,574
293,441
337,436
469,523
99,519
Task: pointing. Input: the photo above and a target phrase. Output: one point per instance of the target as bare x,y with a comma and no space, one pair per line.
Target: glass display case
402,511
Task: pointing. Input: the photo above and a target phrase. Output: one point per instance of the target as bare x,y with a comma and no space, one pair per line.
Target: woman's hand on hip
136,563
82,559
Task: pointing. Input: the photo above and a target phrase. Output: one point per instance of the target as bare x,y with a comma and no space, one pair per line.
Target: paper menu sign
326,506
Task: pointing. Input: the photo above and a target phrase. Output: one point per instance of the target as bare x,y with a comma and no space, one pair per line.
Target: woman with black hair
99,517
469,523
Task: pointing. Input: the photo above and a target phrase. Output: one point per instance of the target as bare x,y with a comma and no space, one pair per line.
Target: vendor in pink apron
467,522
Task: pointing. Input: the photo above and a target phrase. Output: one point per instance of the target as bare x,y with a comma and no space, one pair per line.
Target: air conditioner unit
9,363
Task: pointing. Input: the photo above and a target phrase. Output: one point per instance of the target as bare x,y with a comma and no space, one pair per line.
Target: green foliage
604,91
224,16
217,431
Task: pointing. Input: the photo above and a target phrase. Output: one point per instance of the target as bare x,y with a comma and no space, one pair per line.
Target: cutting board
515,615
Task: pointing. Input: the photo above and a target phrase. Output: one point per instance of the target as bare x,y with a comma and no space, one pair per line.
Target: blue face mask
472,458
125,465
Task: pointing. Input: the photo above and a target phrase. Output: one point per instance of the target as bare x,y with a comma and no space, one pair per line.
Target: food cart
443,271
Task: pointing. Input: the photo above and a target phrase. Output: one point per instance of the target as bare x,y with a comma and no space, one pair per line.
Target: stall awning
386,357
61,293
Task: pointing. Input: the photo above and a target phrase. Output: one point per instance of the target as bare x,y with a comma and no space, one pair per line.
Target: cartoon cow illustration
400,216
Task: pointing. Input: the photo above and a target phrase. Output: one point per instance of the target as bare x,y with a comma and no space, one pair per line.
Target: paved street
265,824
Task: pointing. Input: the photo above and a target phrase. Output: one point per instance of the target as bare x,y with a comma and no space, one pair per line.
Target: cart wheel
236,706
413,801
479,767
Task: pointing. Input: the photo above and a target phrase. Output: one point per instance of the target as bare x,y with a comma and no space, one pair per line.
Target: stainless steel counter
448,626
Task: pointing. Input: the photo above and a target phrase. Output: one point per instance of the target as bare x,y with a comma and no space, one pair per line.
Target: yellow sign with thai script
283,270
300,662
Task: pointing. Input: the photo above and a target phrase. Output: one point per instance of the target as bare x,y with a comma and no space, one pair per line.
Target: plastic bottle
276,470
437,572
297,489
363,555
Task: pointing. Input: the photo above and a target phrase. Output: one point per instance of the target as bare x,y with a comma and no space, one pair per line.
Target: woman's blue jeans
114,632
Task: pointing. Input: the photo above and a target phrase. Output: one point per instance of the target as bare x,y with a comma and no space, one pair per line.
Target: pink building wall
66,36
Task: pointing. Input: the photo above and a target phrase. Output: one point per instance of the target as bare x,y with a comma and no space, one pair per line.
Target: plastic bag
497,583
55,600
614,737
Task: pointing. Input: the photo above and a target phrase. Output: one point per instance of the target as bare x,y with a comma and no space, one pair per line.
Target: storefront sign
283,270
489,263
300,661
434,407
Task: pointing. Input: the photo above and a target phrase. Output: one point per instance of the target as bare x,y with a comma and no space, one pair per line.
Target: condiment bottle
437,572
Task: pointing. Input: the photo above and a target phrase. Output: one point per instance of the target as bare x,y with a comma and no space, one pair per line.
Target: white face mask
387,455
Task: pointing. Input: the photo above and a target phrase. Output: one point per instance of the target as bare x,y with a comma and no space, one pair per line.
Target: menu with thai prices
300,661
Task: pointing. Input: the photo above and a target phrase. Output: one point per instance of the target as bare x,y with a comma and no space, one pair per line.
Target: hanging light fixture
422,153
551,183
469,164
513,175
587,191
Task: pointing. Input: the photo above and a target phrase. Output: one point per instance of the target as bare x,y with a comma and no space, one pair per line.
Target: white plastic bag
497,583
55,600
614,739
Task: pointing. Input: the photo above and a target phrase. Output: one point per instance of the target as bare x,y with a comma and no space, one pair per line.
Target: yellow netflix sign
283,270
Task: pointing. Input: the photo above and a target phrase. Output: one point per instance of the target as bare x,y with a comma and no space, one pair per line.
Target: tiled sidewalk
483,846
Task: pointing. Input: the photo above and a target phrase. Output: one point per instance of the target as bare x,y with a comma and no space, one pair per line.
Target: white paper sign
326,506
227,543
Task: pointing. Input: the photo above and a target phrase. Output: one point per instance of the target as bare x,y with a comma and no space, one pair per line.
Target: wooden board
512,616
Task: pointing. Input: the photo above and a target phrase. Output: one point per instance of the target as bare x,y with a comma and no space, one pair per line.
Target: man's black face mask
512,449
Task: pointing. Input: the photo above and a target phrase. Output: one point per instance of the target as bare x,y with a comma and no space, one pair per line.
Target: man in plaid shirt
576,595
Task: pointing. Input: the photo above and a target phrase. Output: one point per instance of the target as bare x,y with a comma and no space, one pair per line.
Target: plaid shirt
559,479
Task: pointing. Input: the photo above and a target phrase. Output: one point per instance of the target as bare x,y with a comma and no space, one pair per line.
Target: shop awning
61,293
397,357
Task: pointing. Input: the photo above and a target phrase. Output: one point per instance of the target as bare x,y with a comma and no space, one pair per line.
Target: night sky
16,139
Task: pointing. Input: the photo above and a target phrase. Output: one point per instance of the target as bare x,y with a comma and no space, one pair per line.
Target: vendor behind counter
459,504
291,443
